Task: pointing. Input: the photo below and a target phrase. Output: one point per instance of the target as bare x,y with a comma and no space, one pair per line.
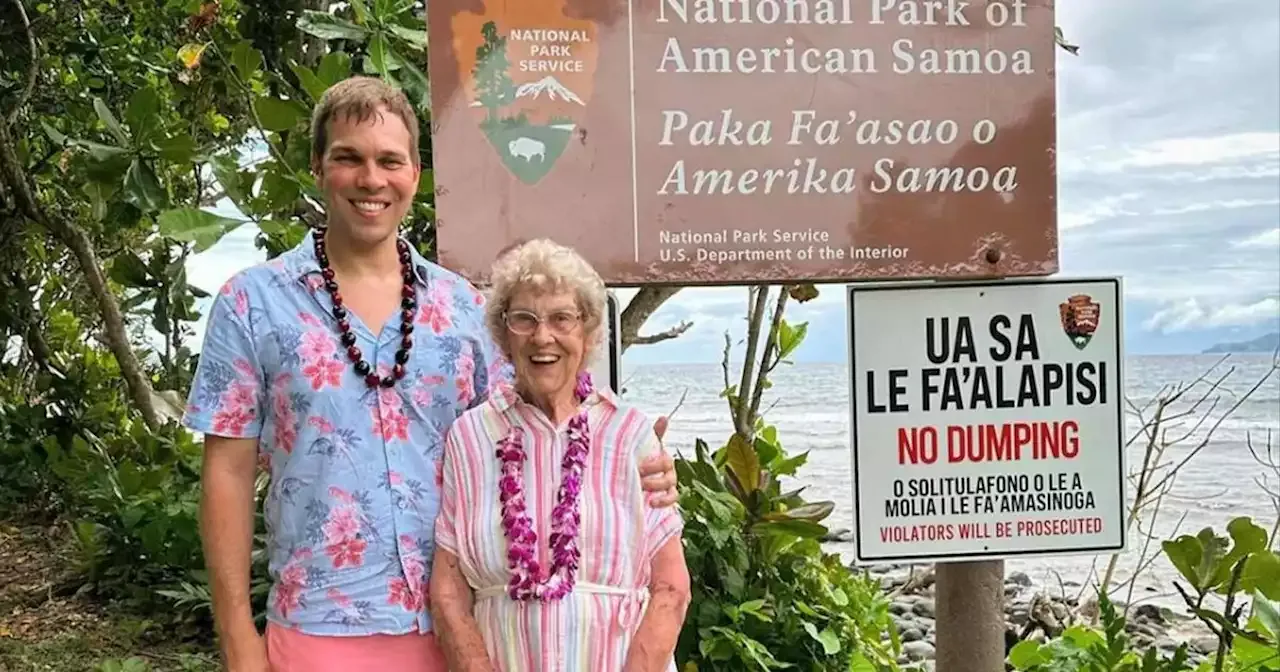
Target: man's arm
451,602
226,522
669,595
226,405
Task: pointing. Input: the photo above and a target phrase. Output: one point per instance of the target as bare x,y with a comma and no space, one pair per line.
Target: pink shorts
293,651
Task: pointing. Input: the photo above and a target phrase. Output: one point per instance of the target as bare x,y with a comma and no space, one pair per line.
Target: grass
48,624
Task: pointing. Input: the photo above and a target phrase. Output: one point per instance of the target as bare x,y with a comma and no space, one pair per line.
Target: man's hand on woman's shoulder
658,472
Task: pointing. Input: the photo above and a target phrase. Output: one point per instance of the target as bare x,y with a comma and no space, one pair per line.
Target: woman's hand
658,472
451,600
669,593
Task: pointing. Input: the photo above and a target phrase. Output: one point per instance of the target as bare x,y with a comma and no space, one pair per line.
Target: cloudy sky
1169,160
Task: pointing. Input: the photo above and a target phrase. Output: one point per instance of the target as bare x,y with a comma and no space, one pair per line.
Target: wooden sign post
969,605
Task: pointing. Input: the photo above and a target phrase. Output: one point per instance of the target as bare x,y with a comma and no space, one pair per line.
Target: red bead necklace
408,304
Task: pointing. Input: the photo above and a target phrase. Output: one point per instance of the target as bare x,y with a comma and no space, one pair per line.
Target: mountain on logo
551,86
529,88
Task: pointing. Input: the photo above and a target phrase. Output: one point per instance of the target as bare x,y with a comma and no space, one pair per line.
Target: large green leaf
378,54
279,190
178,148
246,59
143,188
329,27
830,643
277,115
413,81
1252,655
1197,558
363,15
1247,538
791,465
226,168
813,512
101,152
58,137
790,338
1268,616
1262,575
113,124
414,38
310,81
798,528
197,226
128,270
98,193
143,112
334,67
743,463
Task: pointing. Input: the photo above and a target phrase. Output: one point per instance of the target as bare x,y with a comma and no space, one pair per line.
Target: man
339,366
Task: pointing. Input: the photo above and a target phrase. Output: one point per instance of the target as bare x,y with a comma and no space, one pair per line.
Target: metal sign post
608,366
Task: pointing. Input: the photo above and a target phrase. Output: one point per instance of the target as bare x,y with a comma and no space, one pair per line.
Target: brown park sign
734,141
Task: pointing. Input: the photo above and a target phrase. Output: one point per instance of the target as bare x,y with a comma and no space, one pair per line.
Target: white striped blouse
591,629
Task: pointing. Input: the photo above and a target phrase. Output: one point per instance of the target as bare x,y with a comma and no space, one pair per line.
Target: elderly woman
549,559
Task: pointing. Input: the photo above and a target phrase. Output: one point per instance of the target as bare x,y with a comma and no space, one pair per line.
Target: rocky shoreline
1030,611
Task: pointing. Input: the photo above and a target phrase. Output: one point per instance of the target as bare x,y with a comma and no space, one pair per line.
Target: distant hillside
1266,343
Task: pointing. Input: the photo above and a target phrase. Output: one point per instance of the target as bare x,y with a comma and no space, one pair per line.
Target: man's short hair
360,97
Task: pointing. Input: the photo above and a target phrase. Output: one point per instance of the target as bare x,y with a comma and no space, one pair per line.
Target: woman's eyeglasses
524,322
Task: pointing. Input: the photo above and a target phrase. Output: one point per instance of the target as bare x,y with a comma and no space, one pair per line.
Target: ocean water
809,403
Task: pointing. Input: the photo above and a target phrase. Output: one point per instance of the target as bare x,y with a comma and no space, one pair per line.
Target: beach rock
1205,645
1147,612
1019,579
911,635
924,608
1150,631
842,536
919,650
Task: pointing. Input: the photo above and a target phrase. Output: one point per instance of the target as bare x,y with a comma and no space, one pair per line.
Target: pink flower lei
528,582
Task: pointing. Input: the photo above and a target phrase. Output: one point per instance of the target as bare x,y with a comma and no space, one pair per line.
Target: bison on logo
1079,315
528,70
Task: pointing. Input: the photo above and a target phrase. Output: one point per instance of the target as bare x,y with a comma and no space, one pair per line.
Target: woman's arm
451,601
451,596
669,592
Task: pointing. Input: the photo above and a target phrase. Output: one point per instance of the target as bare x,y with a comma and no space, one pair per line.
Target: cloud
1180,152
1170,159
1264,239
1190,314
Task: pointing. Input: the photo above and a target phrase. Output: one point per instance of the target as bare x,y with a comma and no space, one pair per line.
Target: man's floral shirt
355,472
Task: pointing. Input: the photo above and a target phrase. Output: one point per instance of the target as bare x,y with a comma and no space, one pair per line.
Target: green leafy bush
79,453
1234,568
1083,649
765,595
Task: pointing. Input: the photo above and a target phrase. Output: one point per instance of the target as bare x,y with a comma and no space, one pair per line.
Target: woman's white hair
543,265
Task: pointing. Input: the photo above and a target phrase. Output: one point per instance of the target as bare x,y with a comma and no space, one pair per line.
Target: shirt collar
301,261
503,396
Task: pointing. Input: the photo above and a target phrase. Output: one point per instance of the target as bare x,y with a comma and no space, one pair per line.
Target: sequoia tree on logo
530,71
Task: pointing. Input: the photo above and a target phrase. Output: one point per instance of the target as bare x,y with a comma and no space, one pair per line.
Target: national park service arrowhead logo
529,71
1079,315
